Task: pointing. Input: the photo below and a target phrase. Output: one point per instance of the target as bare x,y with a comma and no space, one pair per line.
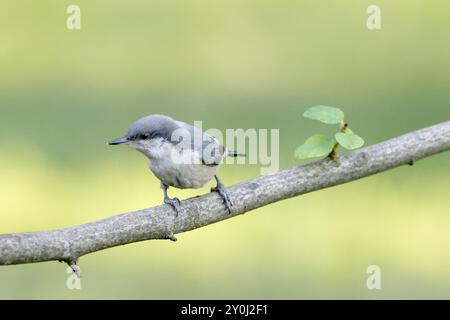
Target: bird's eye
144,136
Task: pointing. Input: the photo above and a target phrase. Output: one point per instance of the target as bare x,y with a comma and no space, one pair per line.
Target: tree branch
69,244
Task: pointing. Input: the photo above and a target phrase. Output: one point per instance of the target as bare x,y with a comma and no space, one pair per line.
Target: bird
180,155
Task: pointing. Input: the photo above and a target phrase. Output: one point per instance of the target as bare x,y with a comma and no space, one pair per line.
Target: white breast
183,170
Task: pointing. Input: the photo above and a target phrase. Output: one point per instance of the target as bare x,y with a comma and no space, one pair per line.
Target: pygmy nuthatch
181,155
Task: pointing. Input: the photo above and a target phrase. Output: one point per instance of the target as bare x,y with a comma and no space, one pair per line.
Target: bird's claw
174,203
225,196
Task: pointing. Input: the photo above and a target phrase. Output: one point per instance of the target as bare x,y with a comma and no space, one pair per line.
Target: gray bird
181,155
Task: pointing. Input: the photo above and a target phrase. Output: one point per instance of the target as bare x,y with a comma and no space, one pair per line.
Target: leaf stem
333,154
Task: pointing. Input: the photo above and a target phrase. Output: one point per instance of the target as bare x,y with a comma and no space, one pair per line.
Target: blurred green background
232,64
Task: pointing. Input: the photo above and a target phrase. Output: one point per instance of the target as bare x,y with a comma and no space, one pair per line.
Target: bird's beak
118,141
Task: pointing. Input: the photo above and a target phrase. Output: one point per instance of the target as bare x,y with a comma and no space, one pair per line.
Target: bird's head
145,131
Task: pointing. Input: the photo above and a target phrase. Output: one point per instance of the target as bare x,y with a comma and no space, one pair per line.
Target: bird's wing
213,151
210,149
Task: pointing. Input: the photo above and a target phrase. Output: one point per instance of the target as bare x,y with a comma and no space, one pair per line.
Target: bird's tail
235,154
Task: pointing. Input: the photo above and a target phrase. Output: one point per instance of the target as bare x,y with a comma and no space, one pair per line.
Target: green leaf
328,115
317,145
349,140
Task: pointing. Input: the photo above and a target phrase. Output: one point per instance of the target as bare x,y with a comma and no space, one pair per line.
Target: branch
69,244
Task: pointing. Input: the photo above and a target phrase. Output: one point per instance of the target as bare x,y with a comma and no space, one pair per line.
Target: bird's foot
174,203
220,188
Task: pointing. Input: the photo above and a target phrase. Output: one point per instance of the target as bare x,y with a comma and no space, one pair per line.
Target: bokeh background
231,64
